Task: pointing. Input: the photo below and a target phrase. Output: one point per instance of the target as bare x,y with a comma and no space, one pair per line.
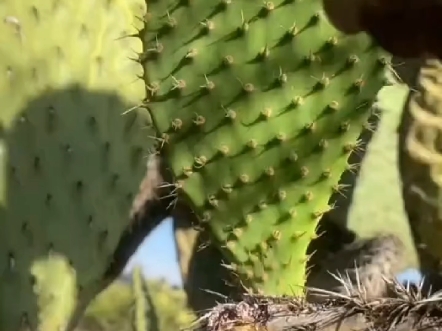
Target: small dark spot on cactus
248,88
333,106
186,3
187,171
92,122
200,161
252,144
227,188
191,53
350,147
358,85
323,144
270,171
207,216
35,13
207,26
297,101
307,196
266,113
292,213
213,201
310,127
224,150
13,171
322,83
282,78
114,180
314,20
266,9
23,119
11,260
238,232
90,220
25,226
326,174
292,32
244,178
231,245
230,114
48,199
24,320
37,163
129,197
68,148
102,237
383,62
248,219
352,60
227,61
83,31
79,185
304,171
332,41
282,195
311,58
317,214
281,137
344,127
293,156
171,23
264,53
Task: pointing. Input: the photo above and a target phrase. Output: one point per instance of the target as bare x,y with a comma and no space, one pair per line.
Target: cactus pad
258,105
70,160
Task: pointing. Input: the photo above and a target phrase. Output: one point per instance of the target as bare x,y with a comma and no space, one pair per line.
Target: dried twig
408,309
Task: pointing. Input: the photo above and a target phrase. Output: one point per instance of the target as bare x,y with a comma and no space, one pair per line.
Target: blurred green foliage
113,309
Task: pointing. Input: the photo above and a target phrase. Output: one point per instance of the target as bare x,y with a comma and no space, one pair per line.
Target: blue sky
157,257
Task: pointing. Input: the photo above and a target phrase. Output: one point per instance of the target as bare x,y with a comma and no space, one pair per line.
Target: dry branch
406,310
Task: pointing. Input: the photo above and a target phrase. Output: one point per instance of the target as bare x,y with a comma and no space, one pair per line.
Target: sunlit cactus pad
258,105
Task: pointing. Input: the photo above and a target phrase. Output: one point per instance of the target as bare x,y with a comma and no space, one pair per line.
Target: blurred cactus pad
258,106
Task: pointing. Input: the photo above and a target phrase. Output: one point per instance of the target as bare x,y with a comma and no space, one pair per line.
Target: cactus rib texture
258,105
71,161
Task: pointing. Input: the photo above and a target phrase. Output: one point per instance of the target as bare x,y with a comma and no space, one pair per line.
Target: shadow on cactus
71,164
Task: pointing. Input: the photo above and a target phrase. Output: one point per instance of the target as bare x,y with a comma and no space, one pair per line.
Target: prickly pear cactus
258,105
420,162
70,160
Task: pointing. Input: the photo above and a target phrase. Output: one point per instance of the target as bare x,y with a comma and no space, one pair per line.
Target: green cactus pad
258,105
70,160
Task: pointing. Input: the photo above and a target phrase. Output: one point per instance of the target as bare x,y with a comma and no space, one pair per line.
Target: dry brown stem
407,310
